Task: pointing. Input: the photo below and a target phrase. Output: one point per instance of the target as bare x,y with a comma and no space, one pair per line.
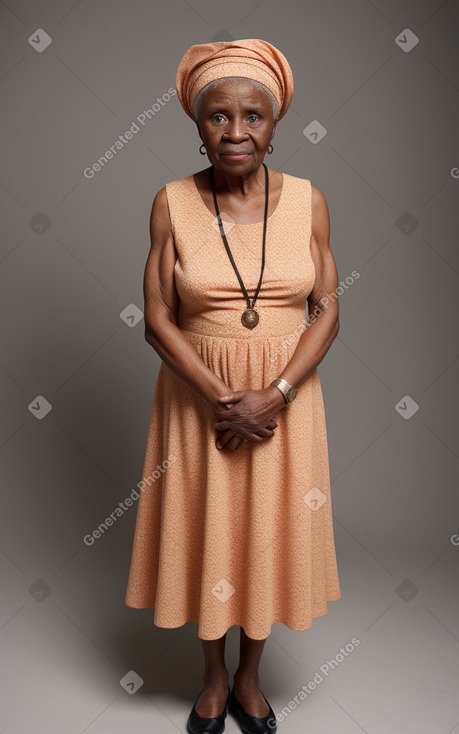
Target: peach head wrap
250,57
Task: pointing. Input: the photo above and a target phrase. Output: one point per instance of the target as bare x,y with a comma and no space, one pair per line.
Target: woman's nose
236,129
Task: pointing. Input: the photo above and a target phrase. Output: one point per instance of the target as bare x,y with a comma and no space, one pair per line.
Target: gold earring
203,152
270,146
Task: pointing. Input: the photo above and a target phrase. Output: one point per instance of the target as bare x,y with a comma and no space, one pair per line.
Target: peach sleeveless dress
242,537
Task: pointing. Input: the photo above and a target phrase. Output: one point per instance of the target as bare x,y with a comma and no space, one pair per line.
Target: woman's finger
265,432
228,436
224,438
235,442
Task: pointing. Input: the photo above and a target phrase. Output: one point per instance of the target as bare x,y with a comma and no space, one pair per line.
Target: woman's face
236,118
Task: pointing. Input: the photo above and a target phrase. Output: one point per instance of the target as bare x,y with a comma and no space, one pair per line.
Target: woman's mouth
234,156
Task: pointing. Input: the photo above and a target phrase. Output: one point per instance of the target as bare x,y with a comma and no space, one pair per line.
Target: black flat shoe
252,724
200,725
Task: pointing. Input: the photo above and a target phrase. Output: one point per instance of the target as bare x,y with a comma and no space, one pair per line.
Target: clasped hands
247,415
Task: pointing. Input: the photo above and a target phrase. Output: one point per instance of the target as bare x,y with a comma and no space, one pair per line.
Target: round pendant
250,318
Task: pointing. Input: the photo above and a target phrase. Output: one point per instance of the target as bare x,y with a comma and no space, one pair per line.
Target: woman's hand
229,439
247,414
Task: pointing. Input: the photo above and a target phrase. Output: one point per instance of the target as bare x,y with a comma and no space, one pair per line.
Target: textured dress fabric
241,537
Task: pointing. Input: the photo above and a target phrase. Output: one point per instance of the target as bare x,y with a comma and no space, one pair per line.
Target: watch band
288,391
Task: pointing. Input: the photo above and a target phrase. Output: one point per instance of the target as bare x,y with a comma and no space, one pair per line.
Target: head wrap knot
250,57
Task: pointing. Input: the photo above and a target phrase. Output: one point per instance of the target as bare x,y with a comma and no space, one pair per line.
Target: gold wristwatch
288,391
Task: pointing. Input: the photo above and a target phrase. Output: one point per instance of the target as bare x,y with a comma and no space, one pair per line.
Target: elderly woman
234,521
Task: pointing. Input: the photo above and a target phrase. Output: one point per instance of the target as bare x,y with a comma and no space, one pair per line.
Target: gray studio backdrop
373,124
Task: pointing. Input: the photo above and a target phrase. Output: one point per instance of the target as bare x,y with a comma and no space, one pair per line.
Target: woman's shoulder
317,195
178,182
299,180
177,188
172,197
172,188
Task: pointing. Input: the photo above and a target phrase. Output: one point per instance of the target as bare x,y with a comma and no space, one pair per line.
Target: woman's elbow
151,330
154,328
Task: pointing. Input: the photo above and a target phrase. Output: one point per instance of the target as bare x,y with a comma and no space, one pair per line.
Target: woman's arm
317,339
161,309
251,408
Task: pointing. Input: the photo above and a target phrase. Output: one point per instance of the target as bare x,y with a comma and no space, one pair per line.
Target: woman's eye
252,118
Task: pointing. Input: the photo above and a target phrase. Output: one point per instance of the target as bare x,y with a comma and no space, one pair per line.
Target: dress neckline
236,224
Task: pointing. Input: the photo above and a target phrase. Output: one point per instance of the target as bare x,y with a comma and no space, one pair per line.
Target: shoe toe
201,725
253,724
260,725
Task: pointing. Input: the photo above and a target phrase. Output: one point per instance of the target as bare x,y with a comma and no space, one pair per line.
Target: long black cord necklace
250,317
